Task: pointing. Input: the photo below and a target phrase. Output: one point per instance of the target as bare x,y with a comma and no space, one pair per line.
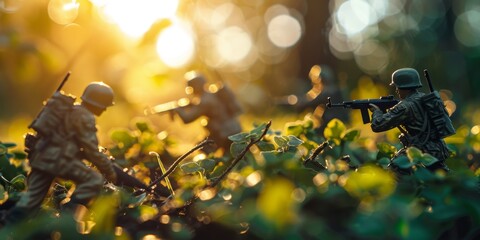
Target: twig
240,156
174,165
235,161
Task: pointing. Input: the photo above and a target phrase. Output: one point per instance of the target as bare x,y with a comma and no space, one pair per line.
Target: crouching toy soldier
60,154
412,115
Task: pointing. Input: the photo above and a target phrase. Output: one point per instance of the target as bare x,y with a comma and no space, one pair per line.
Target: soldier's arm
385,121
86,137
191,112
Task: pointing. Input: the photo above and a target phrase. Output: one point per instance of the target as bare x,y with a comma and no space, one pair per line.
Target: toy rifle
59,88
383,103
167,107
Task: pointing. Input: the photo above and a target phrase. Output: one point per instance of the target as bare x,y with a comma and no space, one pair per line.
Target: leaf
123,136
258,131
237,147
414,154
428,160
21,155
281,141
386,148
208,164
191,167
350,135
295,128
294,141
18,182
403,162
239,137
265,146
143,126
271,157
334,131
8,144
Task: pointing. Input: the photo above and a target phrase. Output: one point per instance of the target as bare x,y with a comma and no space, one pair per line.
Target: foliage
268,189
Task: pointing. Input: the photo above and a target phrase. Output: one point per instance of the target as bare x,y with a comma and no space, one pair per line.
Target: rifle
167,107
384,103
59,88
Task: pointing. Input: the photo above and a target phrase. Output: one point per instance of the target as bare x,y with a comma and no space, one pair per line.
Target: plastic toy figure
221,109
60,153
422,118
324,86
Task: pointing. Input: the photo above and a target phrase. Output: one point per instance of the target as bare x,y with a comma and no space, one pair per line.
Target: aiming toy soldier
421,118
220,108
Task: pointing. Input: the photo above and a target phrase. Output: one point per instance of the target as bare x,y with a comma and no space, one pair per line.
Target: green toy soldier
412,117
60,154
220,108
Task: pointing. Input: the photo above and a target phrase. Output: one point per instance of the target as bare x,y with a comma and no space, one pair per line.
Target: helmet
406,78
98,94
195,80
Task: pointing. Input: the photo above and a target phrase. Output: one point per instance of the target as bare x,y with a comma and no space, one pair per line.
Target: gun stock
384,103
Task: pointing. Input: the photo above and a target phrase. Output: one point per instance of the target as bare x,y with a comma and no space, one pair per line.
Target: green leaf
239,137
271,157
295,128
18,182
281,141
428,160
143,126
265,146
124,137
350,135
191,167
334,131
414,154
258,131
294,141
21,155
386,149
9,144
403,162
237,147
208,164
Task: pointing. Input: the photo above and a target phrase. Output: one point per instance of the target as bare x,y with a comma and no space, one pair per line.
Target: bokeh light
233,44
284,31
63,11
176,45
134,18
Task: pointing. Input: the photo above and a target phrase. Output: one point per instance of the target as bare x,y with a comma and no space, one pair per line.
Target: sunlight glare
176,46
354,16
134,18
233,44
284,31
63,12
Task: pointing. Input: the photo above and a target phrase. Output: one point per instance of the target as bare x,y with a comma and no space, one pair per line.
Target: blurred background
263,49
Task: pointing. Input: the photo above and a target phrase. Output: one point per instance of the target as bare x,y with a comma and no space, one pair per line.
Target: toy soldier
324,86
220,108
60,155
412,117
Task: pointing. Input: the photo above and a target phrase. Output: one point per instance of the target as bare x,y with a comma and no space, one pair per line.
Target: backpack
53,114
437,114
226,96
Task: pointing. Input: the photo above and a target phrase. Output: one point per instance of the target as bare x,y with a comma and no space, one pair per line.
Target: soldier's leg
88,183
38,183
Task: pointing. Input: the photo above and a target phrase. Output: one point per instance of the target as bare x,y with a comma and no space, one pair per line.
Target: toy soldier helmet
98,94
406,78
195,80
